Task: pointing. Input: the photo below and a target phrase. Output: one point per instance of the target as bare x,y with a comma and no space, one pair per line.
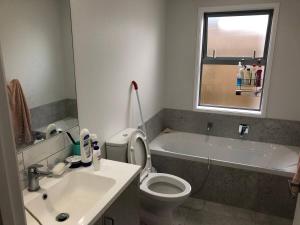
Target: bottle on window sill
240,75
258,76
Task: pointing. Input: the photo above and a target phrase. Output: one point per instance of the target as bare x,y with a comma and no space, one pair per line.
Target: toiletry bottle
247,76
85,148
96,157
240,66
253,73
239,80
94,140
240,75
51,130
258,75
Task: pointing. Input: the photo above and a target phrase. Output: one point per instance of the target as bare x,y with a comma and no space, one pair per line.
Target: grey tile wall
47,153
43,115
263,130
154,125
71,105
260,192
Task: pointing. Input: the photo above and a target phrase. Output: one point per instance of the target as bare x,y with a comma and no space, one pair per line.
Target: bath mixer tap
243,129
33,177
209,126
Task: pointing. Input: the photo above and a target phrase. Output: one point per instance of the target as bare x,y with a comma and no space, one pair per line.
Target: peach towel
296,179
20,113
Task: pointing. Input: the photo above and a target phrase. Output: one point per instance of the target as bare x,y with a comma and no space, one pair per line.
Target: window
234,58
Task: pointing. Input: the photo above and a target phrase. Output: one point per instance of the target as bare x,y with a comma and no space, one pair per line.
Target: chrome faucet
33,177
243,129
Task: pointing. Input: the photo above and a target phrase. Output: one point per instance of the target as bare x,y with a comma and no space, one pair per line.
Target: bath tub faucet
33,177
209,127
243,129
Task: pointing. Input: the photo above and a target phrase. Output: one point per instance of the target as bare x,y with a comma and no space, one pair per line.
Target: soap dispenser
85,148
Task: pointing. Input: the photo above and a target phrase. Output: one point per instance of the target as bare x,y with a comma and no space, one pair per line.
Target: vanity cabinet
297,213
125,210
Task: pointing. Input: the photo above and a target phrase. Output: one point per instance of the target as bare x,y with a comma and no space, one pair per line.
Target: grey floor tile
195,218
199,212
211,218
180,216
228,211
263,219
194,204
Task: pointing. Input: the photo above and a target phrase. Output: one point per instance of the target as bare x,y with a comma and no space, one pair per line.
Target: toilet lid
139,153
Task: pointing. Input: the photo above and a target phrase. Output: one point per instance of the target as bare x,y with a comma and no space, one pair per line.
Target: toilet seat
139,153
165,187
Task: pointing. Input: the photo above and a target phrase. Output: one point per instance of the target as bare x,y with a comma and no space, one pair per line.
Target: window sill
226,111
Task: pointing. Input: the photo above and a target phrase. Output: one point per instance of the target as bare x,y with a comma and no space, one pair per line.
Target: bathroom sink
78,197
73,195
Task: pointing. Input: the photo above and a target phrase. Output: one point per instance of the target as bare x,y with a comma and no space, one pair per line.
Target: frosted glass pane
218,88
237,36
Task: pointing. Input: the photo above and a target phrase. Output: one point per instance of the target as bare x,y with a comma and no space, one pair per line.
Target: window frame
272,10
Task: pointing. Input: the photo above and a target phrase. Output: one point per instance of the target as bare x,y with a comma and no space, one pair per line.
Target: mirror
37,50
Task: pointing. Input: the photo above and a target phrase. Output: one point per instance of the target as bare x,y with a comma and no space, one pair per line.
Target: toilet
160,193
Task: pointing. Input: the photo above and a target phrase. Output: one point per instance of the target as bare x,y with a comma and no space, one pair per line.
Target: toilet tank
116,147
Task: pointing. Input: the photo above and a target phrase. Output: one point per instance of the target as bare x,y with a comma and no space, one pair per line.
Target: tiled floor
199,212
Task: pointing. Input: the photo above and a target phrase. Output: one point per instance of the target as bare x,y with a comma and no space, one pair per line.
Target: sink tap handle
33,176
34,167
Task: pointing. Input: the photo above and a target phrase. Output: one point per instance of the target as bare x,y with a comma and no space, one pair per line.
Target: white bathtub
256,156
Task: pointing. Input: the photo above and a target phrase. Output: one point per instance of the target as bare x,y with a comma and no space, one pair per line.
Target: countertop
122,173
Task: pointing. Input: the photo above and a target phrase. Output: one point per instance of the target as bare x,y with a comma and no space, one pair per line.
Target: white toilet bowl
161,193
166,188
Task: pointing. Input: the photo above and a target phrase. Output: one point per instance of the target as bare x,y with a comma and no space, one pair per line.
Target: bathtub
241,154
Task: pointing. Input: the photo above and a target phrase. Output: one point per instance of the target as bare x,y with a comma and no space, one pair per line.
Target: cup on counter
76,148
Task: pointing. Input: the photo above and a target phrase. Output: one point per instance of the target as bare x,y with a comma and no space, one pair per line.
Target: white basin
82,193
76,194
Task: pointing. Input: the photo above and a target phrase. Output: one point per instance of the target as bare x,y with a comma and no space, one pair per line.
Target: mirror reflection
37,49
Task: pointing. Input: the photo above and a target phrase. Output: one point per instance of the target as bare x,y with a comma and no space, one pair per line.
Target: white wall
181,52
116,42
67,38
32,34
